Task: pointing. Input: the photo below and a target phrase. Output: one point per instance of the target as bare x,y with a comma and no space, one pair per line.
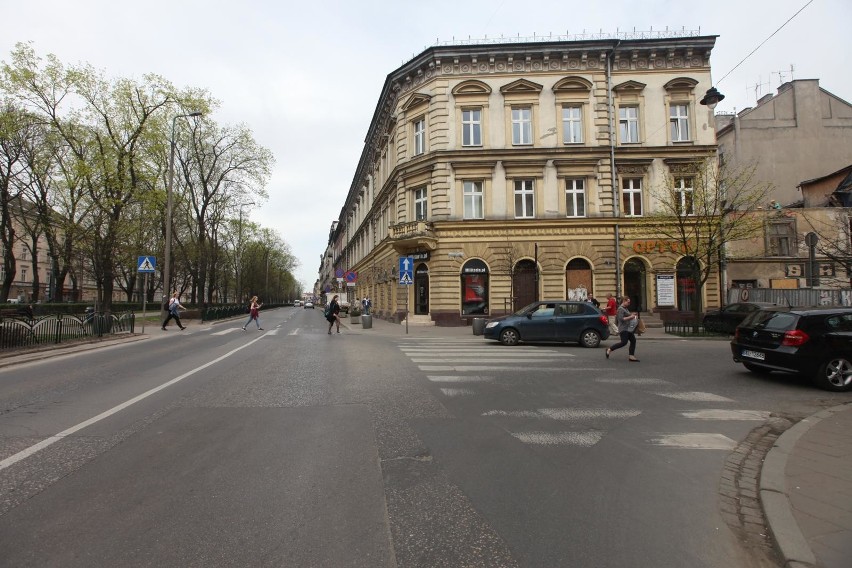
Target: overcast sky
306,76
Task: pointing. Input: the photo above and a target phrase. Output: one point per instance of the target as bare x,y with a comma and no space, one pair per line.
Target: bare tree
701,208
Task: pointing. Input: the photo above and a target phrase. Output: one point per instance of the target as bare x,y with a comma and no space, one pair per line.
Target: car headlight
491,324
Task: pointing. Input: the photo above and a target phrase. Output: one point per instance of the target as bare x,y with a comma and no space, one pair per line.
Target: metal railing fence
20,332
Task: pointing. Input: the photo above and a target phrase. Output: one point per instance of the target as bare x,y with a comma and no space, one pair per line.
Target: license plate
754,354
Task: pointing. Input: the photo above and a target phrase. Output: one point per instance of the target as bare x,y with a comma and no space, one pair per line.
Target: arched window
474,287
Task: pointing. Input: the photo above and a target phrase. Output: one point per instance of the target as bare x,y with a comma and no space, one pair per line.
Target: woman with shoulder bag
627,323
254,313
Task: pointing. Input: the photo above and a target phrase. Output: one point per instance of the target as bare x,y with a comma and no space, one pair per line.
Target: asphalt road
290,447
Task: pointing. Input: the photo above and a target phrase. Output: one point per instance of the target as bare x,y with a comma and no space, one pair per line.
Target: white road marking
719,414
294,332
459,378
696,441
23,454
587,413
566,414
585,439
461,359
226,331
475,368
694,396
633,381
457,392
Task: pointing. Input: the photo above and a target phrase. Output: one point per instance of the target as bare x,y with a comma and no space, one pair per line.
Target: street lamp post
169,200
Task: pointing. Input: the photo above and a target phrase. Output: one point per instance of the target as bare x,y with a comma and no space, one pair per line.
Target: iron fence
689,328
19,332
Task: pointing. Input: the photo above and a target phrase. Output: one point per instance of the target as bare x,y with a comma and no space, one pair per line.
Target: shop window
474,288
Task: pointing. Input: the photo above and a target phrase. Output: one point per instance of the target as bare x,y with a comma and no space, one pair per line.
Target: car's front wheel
509,336
590,338
835,374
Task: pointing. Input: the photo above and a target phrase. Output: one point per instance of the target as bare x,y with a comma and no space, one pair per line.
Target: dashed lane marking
720,414
585,439
694,396
459,378
697,441
475,368
457,392
633,381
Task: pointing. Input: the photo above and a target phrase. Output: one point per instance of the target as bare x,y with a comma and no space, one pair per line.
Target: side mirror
529,315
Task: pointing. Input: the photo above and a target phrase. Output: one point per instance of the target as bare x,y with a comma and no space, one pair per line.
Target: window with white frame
628,124
572,124
419,136
679,121
684,195
524,199
472,127
473,199
521,126
631,197
575,197
420,204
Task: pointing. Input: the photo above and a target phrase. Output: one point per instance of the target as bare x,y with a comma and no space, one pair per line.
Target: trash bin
366,321
478,326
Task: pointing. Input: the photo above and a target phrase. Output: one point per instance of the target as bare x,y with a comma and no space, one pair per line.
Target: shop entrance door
634,284
421,290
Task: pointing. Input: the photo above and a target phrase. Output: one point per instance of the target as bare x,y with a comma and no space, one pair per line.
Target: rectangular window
420,204
679,120
631,197
575,197
628,124
419,136
781,237
684,194
572,125
524,199
473,200
521,126
472,127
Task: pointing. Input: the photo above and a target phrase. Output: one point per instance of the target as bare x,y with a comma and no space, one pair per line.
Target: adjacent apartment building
800,141
510,172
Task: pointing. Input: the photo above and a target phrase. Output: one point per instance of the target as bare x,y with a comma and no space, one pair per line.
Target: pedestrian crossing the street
467,368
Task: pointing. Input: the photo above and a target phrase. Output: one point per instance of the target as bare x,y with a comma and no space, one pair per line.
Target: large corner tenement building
512,172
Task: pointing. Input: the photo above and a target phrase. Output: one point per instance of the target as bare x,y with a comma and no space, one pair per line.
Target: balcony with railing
412,235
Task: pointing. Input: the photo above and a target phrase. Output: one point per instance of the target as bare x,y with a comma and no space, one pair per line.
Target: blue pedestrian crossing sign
406,270
147,264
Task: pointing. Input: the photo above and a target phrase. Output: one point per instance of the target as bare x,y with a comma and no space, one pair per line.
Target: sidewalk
806,490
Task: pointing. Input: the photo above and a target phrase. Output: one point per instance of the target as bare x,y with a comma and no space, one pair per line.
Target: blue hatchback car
552,321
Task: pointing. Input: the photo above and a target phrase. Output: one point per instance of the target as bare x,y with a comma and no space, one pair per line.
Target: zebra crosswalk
467,368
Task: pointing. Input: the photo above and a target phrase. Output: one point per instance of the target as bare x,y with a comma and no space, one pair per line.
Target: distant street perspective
388,446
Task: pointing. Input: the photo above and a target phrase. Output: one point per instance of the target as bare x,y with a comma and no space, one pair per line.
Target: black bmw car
815,342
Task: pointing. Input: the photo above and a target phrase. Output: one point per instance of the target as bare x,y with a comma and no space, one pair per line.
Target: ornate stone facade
514,171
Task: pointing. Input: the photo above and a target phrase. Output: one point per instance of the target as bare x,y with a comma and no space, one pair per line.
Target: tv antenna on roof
758,88
781,75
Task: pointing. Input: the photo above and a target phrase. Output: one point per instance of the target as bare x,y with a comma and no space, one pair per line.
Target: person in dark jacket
333,314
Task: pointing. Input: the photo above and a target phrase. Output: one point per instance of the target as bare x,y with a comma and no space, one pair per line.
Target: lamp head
712,97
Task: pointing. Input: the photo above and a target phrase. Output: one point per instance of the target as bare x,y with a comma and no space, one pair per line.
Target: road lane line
23,454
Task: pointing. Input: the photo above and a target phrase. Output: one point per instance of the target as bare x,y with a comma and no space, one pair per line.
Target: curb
788,537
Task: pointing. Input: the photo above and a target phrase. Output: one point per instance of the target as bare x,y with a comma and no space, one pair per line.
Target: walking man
173,311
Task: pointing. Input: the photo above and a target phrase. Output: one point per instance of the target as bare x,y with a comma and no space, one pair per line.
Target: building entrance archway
421,290
523,284
635,284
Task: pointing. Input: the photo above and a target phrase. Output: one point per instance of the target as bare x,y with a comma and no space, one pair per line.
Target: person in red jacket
610,311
